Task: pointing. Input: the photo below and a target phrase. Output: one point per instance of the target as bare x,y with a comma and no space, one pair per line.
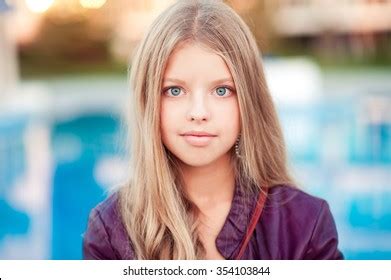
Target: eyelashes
175,91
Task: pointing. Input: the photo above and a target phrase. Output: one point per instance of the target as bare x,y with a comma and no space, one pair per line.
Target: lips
198,138
198,134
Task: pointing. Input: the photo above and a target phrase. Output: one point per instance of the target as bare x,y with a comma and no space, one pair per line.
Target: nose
197,110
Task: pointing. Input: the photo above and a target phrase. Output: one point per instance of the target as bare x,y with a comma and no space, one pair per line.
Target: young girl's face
200,119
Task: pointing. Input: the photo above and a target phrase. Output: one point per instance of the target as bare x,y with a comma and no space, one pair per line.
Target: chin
196,160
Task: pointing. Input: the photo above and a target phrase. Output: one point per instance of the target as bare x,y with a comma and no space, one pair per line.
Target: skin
198,93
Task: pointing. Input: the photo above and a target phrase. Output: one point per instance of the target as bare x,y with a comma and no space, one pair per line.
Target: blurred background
64,88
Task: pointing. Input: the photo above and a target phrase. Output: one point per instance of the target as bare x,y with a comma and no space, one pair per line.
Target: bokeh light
39,6
92,4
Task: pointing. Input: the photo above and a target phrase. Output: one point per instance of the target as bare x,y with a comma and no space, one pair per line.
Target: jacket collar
230,238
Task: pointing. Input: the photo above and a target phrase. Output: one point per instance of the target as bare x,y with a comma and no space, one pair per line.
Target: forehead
194,60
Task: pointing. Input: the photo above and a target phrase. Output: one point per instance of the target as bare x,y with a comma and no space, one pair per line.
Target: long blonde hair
157,215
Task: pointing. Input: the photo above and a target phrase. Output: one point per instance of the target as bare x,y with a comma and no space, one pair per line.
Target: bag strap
253,222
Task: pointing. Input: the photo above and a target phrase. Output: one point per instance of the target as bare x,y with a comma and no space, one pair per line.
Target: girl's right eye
173,91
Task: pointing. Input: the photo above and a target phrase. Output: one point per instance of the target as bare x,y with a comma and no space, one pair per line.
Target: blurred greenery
337,54
73,44
35,68
68,44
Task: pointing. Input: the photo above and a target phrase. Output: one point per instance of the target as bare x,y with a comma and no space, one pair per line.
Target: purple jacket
293,225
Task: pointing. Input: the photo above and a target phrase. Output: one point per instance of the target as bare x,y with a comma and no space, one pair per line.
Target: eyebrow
223,80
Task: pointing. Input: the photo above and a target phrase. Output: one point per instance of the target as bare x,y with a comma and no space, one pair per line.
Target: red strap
253,221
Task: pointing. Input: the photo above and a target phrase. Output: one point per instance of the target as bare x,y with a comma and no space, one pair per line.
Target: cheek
229,116
236,116
168,118
163,120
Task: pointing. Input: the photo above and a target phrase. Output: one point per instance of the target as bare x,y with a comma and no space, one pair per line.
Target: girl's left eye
223,91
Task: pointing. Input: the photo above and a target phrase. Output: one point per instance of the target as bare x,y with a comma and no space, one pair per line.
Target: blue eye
221,91
174,91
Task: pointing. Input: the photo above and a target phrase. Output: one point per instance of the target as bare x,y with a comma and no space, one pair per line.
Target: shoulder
107,210
296,206
287,197
306,218
106,237
293,209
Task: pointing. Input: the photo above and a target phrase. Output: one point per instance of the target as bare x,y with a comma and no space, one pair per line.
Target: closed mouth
198,134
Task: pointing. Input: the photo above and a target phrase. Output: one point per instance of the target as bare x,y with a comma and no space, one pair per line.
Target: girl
209,177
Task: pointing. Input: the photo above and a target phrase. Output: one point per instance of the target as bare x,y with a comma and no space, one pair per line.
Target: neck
210,184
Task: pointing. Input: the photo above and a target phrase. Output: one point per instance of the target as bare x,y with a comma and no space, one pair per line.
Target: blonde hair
159,219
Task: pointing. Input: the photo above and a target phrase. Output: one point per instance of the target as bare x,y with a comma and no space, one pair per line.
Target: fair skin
198,94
